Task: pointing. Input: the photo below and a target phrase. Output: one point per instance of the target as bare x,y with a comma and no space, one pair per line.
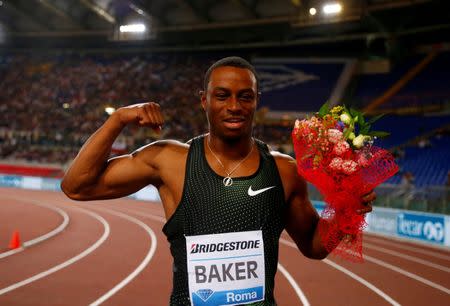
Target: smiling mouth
234,123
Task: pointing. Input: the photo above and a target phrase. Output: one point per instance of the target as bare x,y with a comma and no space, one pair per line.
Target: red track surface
106,241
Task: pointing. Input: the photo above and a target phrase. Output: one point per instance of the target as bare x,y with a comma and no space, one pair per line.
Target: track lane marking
143,264
408,257
410,248
39,239
407,273
68,262
351,274
294,285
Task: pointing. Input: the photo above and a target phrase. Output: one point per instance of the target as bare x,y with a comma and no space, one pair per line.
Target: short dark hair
231,61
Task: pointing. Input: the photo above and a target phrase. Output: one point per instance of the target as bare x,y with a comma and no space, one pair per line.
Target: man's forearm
320,251
91,159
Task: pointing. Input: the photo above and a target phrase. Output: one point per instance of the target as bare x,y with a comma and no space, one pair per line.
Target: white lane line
68,262
408,257
351,274
288,276
36,240
294,285
406,273
143,214
410,248
143,264
362,281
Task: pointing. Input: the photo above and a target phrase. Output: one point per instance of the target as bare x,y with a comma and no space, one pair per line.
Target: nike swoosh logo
252,192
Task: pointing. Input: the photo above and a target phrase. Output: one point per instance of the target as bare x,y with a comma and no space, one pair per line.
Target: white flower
358,142
349,166
341,147
334,135
336,163
351,136
297,124
345,118
363,161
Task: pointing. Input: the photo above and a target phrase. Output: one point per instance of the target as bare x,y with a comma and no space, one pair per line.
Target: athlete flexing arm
93,176
301,217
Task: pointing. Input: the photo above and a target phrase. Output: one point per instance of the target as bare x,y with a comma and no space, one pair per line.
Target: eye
221,96
247,98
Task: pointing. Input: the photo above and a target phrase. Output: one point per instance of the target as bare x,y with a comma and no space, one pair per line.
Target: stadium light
312,11
332,8
109,110
66,105
134,28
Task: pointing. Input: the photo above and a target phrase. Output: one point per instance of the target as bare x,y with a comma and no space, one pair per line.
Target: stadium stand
50,104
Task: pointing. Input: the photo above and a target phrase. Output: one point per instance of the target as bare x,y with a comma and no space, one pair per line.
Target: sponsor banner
32,182
429,228
382,221
447,231
226,269
51,184
10,181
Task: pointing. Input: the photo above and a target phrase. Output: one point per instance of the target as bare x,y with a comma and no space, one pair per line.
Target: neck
231,149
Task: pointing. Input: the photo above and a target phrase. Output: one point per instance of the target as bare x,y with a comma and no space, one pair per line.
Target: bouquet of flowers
335,152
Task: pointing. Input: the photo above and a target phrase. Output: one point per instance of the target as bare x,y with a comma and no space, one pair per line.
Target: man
226,197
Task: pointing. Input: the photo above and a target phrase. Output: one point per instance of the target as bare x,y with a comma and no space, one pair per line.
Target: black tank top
208,207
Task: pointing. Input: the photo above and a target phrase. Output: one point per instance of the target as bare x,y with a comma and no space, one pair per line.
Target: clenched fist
143,114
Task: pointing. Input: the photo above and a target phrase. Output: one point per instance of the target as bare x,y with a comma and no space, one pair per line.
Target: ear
203,99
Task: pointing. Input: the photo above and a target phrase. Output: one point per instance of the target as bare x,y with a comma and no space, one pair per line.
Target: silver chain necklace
228,181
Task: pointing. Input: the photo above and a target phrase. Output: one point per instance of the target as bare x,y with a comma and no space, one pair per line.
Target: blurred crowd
50,105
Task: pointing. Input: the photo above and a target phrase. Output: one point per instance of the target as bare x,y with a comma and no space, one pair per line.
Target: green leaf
324,109
361,120
347,132
373,119
354,112
365,129
380,134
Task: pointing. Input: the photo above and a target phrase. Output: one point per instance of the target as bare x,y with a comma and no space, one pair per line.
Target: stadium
67,66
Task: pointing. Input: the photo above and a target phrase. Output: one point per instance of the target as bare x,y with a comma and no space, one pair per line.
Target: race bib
226,269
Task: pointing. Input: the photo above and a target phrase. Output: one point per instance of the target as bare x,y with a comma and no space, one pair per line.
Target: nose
233,104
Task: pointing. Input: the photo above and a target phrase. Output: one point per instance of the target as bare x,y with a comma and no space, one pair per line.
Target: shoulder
162,152
287,167
285,163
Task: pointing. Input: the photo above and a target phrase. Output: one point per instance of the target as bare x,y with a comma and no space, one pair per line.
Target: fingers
150,115
367,201
369,198
365,210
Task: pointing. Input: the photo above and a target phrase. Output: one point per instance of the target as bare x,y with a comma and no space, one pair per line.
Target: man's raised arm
92,176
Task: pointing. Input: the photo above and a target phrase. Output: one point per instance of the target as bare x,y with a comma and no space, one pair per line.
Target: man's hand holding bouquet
334,151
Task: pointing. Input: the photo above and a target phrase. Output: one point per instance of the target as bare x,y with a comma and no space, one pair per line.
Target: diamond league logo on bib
226,269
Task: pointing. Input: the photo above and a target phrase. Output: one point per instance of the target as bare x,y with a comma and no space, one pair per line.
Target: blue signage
423,227
10,181
229,297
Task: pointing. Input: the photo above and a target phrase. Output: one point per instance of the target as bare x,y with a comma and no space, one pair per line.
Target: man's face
230,101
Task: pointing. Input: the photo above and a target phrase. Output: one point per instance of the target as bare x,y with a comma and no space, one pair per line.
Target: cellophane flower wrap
343,167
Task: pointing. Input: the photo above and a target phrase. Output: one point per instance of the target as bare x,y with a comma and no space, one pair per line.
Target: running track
114,253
